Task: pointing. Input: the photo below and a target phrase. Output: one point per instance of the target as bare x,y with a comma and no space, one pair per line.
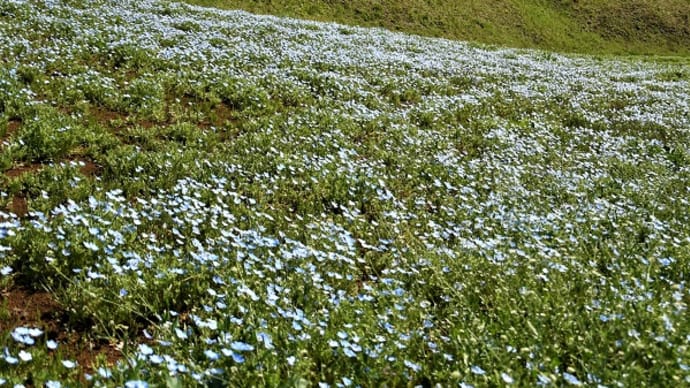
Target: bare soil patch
38,309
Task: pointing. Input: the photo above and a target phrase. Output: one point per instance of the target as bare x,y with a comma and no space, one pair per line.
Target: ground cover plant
194,196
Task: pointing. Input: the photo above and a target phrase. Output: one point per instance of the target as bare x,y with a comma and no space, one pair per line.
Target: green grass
649,27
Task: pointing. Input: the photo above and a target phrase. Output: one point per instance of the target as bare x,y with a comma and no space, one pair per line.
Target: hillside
659,27
197,197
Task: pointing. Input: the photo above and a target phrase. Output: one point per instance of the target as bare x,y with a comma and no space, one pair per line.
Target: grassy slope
660,27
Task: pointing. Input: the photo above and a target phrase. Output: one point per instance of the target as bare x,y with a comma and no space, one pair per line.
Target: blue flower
11,360
266,339
91,246
24,335
571,379
477,370
145,350
25,356
156,359
136,384
180,334
415,367
104,372
238,358
241,346
211,355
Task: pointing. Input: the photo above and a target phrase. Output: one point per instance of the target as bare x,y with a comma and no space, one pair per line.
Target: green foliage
47,136
585,26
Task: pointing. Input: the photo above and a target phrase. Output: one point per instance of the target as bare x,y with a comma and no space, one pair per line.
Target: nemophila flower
181,334
91,246
53,384
9,358
414,366
136,384
348,352
25,356
6,270
156,359
477,370
571,379
238,358
69,364
241,346
543,380
211,355
104,372
266,339
26,335
144,350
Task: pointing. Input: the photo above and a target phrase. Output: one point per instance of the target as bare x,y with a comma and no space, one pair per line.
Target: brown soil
90,168
19,206
105,115
221,114
12,127
30,309
110,119
21,170
39,309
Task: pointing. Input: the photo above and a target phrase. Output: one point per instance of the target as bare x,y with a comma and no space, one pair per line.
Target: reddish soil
114,120
21,170
30,309
12,127
19,206
105,115
110,119
90,168
39,309
221,114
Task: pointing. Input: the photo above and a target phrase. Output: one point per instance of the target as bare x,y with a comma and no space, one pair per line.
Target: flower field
194,196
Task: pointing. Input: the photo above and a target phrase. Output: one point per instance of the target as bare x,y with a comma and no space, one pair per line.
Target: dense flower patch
230,198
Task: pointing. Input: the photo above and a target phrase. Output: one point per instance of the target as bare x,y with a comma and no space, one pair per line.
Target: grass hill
587,26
